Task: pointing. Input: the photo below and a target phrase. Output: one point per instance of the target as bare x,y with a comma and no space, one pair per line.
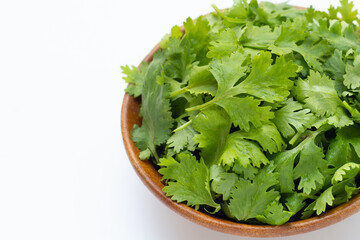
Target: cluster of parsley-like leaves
253,113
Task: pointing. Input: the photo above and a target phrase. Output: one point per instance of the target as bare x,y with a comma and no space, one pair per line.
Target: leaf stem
201,106
348,107
295,138
156,156
256,47
176,93
222,15
183,126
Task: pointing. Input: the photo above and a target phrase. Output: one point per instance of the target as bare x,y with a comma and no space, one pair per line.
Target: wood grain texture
152,179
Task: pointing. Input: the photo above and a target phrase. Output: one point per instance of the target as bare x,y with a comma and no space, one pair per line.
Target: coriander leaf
326,198
267,136
157,120
222,182
227,71
335,67
244,151
215,23
293,118
257,37
197,37
352,136
312,50
344,147
308,211
135,78
213,125
239,10
310,167
244,111
249,172
292,32
312,14
179,60
176,33
352,76
182,139
347,171
188,180
145,154
266,81
346,9
275,214
295,202
350,192
340,36
318,93
333,12
284,162
201,81
250,198
340,118
277,13
224,44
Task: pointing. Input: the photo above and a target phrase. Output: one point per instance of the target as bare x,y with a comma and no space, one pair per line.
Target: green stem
174,94
353,111
222,15
348,107
183,126
201,106
295,138
311,136
156,156
256,47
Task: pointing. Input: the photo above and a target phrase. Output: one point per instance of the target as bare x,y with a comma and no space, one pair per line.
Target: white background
64,173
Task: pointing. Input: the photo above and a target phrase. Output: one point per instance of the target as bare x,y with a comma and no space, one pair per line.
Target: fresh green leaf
347,171
135,78
243,151
293,118
182,139
250,199
157,120
188,181
224,44
267,136
213,125
352,76
197,37
318,93
244,111
222,182
326,198
275,214
310,167
346,9
249,172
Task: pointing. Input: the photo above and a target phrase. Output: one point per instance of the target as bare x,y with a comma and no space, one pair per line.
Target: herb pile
254,113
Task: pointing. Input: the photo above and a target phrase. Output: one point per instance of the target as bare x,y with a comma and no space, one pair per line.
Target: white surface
64,173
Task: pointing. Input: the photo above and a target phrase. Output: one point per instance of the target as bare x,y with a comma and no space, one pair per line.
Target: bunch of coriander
253,112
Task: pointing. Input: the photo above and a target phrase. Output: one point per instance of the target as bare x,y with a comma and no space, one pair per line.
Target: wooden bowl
152,179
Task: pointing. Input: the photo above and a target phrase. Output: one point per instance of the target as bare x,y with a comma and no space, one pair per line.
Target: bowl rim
152,180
